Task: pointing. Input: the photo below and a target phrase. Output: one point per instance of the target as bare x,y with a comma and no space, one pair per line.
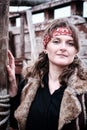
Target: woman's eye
71,43
56,41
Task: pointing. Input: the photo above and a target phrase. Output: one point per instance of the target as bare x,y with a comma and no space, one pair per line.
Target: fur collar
70,106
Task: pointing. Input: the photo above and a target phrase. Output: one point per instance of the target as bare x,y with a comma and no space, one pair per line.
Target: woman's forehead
66,37
62,31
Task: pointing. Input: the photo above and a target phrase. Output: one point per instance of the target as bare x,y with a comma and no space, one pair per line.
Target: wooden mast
4,96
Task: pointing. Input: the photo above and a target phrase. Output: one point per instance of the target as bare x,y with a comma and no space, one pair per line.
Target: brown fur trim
70,107
78,84
28,95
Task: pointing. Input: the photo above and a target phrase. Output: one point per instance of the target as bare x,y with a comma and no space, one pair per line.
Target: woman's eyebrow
56,38
70,40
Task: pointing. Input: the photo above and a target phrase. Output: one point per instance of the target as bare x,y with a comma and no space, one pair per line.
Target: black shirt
44,110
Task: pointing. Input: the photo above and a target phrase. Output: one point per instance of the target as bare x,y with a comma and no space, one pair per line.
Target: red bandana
57,32
62,31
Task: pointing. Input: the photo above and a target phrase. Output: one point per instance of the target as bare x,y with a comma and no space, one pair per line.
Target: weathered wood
27,2
38,2
31,30
4,96
48,14
77,8
22,34
53,4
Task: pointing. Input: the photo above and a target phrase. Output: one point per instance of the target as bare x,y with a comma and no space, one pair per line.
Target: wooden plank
53,4
26,2
31,30
4,96
22,35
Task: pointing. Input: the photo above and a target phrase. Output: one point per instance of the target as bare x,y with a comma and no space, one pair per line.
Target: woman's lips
63,55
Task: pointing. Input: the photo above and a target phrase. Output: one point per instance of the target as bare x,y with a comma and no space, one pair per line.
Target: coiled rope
4,108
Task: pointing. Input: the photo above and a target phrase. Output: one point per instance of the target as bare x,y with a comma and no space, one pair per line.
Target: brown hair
63,23
41,67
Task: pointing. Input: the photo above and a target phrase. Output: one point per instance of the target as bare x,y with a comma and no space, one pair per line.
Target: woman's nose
63,46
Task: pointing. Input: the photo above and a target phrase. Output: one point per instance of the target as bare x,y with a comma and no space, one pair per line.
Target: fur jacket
73,103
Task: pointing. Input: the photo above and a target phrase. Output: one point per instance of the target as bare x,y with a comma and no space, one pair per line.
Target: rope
4,113
5,96
4,120
4,104
6,100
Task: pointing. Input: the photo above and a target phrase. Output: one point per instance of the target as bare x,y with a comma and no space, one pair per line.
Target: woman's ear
45,51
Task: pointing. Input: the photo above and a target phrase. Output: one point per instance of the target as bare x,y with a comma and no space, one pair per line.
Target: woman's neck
54,73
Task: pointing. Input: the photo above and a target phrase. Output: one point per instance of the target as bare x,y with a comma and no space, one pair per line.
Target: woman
53,94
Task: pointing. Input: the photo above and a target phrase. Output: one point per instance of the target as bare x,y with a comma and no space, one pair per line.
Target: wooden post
22,35
4,96
31,30
49,14
77,8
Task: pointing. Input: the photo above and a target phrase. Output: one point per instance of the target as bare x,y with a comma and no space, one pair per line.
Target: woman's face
61,50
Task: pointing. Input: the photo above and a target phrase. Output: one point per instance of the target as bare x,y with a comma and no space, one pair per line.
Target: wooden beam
77,8
4,95
27,2
31,30
22,34
49,14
